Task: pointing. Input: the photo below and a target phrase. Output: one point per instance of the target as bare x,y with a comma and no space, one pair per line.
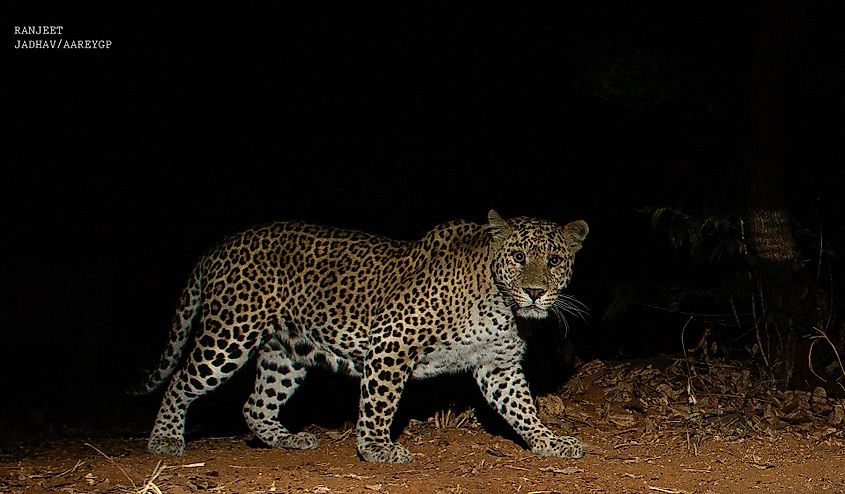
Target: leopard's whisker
572,300
574,310
561,317
573,306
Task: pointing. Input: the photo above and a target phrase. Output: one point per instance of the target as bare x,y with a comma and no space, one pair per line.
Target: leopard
296,296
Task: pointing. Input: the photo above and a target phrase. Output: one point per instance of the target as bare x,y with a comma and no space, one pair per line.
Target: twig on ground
669,491
72,469
187,465
565,471
690,393
448,419
149,485
113,463
343,435
822,335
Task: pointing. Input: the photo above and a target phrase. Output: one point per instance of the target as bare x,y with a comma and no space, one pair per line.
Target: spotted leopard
298,296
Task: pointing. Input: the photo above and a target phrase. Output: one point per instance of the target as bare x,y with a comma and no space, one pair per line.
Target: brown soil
448,461
646,435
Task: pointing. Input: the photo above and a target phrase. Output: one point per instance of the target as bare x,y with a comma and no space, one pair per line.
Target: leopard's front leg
506,389
386,370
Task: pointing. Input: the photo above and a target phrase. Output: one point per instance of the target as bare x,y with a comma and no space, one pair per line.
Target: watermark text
50,37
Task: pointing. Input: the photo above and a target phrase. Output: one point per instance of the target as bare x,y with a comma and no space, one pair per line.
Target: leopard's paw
384,453
560,446
301,440
173,446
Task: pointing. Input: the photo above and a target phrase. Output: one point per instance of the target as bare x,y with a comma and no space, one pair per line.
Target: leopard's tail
180,332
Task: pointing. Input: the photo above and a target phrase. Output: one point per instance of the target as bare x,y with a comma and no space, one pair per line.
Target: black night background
121,166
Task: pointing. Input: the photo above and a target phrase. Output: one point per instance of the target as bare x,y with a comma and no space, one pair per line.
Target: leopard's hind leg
277,380
207,367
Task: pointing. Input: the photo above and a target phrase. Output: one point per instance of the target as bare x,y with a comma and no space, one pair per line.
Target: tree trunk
774,68
774,71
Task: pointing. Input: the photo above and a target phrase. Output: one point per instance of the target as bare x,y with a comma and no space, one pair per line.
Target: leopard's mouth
532,312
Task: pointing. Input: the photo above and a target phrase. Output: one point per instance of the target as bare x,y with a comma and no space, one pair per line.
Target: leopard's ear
498,227
574,233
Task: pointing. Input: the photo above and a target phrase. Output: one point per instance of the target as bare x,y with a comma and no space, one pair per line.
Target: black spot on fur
303,349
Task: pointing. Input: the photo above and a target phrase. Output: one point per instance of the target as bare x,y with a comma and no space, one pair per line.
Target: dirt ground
445,461
646,434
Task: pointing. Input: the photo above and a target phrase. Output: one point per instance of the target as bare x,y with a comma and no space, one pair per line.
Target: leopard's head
532,263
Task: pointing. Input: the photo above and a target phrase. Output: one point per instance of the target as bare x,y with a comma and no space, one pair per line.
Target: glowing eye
554,260
519,256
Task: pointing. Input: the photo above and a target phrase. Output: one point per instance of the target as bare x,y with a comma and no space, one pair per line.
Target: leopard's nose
534,293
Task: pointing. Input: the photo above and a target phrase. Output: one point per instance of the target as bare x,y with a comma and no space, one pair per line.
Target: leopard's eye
519,256
554,260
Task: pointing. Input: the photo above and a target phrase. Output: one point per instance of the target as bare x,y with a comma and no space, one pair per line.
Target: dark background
122,166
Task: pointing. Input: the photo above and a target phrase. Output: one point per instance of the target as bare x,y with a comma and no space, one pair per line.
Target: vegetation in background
777,313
